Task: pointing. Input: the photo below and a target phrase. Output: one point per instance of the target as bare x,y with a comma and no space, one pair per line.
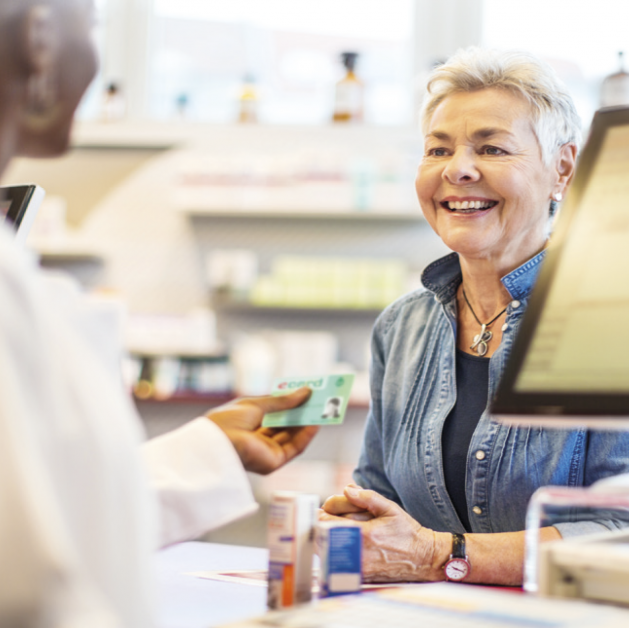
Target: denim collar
444,276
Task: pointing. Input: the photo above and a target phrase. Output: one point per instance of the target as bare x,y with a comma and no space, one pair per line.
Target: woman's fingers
357,500
364,515
325,516
376,504
339,505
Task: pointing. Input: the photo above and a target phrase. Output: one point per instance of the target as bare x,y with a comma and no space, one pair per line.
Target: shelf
215,400
64,257
226,304
128,136
401,217
66,249
160,135
220,354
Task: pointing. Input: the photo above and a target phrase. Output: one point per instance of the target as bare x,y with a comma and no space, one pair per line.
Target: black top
472,383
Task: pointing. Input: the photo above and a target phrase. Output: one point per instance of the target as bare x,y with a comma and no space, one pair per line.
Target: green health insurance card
327,404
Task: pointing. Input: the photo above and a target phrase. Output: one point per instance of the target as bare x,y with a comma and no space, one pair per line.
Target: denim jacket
413,389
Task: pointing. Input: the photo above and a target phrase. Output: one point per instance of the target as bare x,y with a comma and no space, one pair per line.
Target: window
579,38
92,102
204,51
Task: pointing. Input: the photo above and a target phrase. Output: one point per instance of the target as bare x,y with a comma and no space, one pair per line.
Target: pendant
481,340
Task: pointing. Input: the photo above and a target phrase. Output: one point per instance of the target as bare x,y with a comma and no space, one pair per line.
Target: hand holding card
327,404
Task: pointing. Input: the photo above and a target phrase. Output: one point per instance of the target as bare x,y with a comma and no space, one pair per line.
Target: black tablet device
570,361
19,205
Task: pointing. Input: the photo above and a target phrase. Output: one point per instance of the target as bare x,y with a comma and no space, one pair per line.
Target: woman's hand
395,547
263,450
340,506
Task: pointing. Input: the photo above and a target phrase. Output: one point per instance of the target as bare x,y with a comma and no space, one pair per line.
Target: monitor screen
5,205
19,205
570,361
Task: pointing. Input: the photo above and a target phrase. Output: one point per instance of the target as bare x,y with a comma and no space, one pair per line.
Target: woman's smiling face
482,184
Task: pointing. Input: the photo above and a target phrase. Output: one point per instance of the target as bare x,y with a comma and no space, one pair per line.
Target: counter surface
186,601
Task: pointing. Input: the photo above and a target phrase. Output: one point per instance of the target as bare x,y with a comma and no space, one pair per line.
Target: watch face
457,569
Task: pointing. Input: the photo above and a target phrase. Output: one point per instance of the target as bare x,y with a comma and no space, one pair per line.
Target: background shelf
213,400
231,305
297,214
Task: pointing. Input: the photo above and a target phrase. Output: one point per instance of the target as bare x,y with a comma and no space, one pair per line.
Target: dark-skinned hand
263,450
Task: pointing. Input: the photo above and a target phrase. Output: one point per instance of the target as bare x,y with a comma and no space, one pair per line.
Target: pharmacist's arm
199,471
397,548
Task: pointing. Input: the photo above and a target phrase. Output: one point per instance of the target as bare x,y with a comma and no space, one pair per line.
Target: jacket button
515,304
477,510
480,455
505,327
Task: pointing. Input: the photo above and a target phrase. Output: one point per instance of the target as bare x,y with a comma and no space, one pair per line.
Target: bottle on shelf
348,97
248,101
182,104
114,106
615,87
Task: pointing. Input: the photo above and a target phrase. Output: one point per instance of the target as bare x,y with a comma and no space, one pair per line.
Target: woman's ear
565,165
41,55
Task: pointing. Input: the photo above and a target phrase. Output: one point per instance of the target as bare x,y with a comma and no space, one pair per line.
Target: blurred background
239,194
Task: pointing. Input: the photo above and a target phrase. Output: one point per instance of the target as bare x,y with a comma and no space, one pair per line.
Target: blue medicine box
341,559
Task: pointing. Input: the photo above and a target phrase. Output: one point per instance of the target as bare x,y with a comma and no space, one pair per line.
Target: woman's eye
493,150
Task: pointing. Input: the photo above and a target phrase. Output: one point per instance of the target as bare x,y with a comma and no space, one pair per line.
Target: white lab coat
78,519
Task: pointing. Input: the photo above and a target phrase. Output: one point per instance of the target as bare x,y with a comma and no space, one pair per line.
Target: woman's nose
461,167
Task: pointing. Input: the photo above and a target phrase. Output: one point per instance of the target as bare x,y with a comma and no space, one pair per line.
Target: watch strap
458,546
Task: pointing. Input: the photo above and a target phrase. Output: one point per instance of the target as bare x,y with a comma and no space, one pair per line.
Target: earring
558,196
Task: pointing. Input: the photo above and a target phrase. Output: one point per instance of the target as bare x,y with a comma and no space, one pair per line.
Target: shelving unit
61,256
324,215
227,305
188,398
212,400
82,262
131,136
66,248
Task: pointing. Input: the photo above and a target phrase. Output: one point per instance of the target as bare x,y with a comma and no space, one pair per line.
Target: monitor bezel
599,408
19,197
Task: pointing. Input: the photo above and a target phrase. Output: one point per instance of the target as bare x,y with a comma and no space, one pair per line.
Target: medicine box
340,554
291,527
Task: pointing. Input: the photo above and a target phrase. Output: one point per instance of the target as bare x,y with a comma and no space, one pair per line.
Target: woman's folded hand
340,506
395,547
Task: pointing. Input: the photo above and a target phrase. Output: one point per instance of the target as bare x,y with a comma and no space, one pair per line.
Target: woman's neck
482,282
483,288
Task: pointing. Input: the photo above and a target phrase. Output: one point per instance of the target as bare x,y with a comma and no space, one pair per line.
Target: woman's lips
468,206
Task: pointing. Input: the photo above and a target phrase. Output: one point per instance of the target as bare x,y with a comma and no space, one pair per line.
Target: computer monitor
570,361
19,205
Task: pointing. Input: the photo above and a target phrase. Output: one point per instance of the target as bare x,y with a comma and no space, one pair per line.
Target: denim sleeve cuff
579,528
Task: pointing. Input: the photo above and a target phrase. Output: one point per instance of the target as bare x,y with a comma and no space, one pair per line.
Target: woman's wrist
442,549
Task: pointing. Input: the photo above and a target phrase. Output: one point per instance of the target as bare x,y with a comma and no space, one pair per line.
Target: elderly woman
444,480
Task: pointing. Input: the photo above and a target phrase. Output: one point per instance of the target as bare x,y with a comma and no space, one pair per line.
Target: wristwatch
458,566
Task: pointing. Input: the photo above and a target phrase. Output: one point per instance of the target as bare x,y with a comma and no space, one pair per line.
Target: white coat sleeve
199,481
76,520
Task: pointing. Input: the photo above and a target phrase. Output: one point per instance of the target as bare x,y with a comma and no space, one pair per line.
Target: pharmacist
78,522
443,479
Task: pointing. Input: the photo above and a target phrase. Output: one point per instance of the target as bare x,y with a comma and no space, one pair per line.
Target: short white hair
554,116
